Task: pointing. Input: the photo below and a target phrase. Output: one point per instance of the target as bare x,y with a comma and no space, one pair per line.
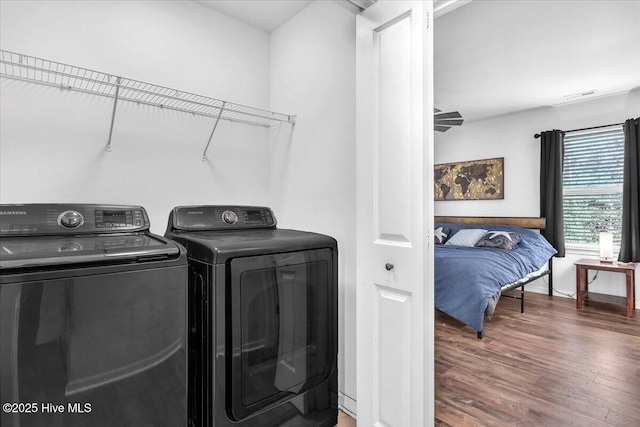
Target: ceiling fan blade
444,121
452,115
449,122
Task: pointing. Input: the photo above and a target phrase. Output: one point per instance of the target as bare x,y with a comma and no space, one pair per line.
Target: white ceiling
496,57
266,15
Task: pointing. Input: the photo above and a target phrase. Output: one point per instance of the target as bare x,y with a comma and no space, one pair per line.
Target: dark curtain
630,245
551,206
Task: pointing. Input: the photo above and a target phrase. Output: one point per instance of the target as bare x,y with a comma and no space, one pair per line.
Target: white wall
52,141
313,167
511,137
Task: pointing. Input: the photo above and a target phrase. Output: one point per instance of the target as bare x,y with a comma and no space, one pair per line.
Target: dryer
92,318
262,319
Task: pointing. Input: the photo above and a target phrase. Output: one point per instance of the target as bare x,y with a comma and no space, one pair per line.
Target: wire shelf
51,73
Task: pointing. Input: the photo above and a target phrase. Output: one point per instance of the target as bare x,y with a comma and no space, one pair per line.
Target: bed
469,280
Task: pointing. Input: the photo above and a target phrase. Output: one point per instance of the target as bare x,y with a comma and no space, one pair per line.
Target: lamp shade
606,246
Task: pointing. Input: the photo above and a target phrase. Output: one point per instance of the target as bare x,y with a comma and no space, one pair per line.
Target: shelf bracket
113,113
215,125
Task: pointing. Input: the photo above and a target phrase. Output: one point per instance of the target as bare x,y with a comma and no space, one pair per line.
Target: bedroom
299,68
511,135
536,58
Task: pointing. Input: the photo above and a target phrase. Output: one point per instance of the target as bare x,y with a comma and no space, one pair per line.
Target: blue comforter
467,278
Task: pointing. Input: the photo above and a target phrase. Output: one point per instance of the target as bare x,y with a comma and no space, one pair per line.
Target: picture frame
470,180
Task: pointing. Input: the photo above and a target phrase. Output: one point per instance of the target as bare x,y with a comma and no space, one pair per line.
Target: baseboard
540,289
347,405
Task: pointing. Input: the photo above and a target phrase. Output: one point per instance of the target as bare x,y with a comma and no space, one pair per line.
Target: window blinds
592,184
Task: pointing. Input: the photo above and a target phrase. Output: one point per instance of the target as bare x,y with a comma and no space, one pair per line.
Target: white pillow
466,237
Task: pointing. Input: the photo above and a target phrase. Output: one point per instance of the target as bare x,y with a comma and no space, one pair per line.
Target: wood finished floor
345,420
551,366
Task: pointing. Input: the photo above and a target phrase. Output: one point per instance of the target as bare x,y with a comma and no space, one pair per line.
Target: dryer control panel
218,218
61,219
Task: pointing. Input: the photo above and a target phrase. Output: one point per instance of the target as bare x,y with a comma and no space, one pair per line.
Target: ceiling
497,57
500,56
266,15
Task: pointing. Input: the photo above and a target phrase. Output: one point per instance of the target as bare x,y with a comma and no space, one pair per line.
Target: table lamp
606,246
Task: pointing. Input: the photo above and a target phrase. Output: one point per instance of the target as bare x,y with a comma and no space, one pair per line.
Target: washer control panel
221,217
40,219
120,218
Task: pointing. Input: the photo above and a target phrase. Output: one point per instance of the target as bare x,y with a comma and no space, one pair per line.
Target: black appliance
262,319
92,318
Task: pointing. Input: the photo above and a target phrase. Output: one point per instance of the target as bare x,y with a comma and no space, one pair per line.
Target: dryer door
283,329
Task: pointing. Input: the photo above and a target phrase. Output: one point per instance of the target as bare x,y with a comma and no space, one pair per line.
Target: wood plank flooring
554,365
345,420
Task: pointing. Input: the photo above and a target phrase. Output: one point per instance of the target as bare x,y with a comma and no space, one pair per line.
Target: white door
394,135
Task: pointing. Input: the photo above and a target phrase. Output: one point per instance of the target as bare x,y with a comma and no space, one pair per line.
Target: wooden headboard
538,223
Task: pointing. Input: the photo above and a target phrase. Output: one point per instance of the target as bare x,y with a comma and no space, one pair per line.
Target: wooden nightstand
582,287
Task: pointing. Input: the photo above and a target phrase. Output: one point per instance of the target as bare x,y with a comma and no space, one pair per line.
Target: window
592,180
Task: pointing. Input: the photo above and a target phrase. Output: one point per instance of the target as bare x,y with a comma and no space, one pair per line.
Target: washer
262,319
92,318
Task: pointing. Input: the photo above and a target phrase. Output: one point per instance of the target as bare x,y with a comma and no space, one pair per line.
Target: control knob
229,217
70,219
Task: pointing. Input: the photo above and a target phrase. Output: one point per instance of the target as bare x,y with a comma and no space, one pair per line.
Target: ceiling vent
576,96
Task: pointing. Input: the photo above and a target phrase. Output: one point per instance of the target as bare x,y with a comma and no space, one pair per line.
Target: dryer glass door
282,327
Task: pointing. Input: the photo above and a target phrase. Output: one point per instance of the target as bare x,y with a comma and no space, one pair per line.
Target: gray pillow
500,239
440,235
467,237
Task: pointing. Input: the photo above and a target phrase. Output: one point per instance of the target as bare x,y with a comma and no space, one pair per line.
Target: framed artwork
472,180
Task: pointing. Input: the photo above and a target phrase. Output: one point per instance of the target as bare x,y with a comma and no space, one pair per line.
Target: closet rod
537,135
